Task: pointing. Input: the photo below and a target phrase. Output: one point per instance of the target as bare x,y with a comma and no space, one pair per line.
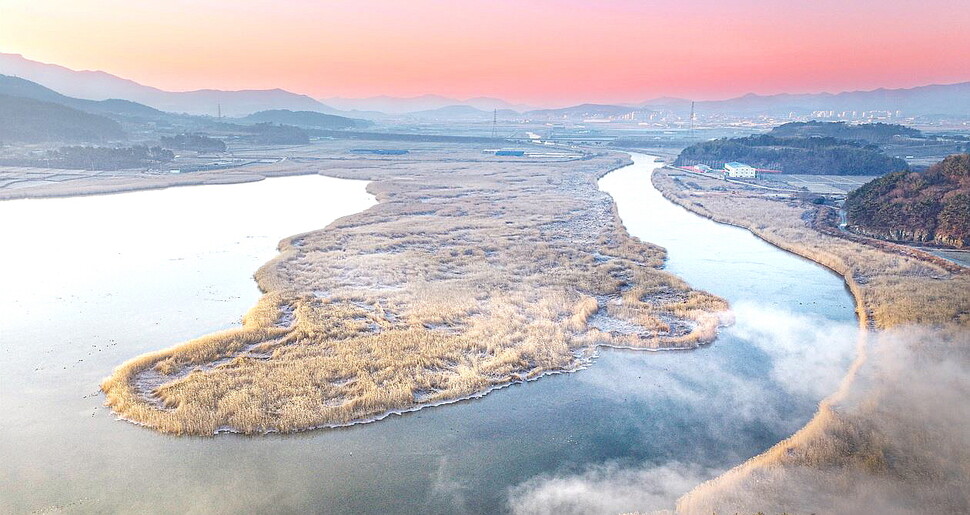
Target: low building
380,151
740,170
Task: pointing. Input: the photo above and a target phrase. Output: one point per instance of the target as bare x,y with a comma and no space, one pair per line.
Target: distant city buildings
873,115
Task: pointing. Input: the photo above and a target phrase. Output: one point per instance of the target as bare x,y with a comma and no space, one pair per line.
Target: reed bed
466,276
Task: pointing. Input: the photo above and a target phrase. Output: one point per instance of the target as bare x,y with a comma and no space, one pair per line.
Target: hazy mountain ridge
97,85
306,119
33,113
461,112
931,100
934,99
410,105
28,120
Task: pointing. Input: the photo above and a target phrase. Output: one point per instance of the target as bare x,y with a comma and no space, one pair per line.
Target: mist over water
667,419
788,358
894,443
793,338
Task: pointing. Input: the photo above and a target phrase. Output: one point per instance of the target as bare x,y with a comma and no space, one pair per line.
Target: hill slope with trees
928,207
25,120
798,155
867,132
197,142
306,119
17,87
270,134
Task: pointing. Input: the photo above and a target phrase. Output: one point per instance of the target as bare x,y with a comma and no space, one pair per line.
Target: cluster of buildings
733,169
858,115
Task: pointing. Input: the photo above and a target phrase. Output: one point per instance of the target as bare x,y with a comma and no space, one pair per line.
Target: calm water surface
90,282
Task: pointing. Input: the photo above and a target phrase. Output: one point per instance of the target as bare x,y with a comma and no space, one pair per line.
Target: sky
541,52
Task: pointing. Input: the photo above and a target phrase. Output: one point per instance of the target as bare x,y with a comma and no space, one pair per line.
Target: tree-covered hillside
816,155
25,120
867,132
307,119
269,134
932,206
97,158
197,142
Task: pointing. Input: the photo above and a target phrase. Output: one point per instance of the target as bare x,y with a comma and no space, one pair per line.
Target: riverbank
261,162
467,276
891,439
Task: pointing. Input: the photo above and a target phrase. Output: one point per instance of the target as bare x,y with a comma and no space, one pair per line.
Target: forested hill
867,132
306,119
932,206
27,120
17,87
798,155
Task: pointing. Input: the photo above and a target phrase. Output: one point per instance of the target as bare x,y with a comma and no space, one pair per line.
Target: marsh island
473,272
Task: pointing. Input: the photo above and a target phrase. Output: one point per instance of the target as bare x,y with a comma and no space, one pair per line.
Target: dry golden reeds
466,276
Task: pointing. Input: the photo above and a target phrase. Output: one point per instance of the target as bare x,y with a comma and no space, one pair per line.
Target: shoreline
382,416
585,365
303,161
93,186
862,314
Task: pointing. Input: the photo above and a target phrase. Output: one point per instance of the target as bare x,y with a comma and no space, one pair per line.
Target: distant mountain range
18,87
461,113
934,100
33,113
97,85
405,105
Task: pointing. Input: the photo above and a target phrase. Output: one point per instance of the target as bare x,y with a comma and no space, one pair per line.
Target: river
92,281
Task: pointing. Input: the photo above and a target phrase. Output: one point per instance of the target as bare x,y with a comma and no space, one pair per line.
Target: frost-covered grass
468,275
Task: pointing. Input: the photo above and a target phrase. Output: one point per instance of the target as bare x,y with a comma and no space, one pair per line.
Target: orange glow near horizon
545,52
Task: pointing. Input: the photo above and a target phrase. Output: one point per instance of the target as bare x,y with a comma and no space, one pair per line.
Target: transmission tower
690,126
494,123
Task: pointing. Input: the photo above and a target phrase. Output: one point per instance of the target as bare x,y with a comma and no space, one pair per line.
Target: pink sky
536,51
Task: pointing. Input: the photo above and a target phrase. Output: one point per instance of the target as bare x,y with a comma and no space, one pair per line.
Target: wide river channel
89,282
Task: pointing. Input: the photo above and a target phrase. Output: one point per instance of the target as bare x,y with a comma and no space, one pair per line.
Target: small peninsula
470,274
